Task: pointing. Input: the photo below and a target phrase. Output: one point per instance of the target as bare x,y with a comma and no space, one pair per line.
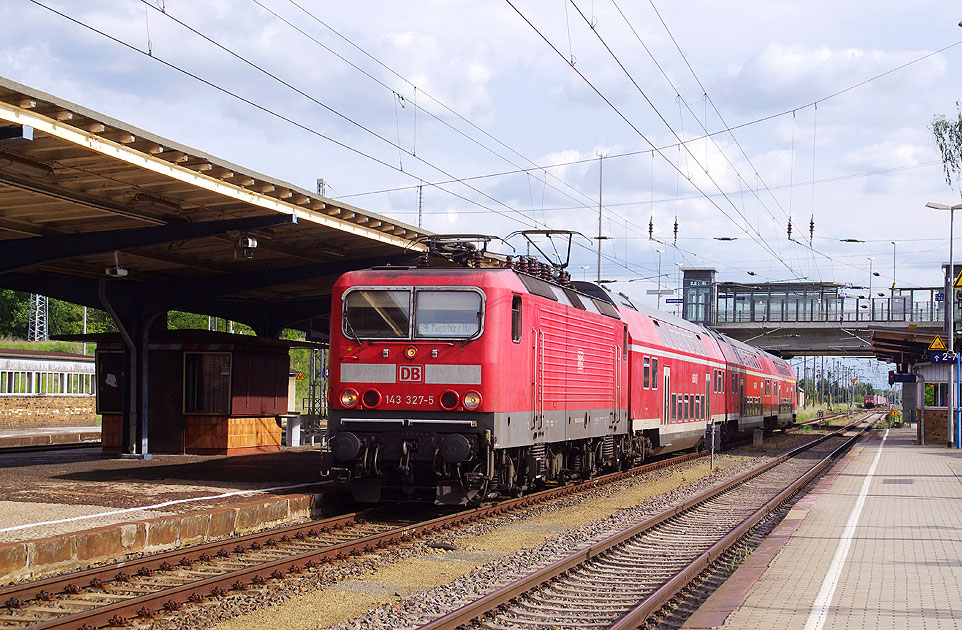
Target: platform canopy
100,213
904,347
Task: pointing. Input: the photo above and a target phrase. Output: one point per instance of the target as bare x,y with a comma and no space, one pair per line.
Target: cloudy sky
501,110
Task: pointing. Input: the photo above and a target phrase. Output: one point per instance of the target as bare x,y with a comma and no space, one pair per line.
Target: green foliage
73,347
948,138
14,313
181,320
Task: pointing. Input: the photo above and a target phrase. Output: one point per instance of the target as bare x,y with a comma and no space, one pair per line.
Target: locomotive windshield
378,314
448,314
438,314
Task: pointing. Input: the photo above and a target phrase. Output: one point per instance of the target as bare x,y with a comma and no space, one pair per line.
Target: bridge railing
907,305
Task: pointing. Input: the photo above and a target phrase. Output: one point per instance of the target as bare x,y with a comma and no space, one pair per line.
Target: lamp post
953,427
660,252
894,243
871,311
584,272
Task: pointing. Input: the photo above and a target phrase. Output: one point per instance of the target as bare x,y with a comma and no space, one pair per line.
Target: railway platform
68,509
876,544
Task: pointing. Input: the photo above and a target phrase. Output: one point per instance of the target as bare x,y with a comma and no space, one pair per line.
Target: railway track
621,581
120,593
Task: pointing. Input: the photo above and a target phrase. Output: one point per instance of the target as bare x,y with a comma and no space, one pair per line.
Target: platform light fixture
22,166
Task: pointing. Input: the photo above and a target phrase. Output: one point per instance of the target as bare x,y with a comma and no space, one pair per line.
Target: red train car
458,383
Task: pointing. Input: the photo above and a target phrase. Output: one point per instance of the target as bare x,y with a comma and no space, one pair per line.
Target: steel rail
636,616
171,598
506,594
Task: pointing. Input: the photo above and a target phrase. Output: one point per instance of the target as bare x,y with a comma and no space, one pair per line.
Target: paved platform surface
877,544
64,509
90,482
48,435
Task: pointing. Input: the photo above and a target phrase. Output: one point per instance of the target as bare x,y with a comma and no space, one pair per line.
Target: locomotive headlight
349,398
472,400
410,352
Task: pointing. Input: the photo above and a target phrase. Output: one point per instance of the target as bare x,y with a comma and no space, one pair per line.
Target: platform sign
854,380
940,297
958,281
942,357
675,301
937,344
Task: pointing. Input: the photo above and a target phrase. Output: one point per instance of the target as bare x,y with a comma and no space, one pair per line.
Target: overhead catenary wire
589,201
289,120
335,112
634,128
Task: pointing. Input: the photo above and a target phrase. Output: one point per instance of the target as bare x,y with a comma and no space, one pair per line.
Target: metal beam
26,252
267,319
156,297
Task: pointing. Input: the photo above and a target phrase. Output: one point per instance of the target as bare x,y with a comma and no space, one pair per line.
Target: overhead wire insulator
676,231
789,228
811,230
651,228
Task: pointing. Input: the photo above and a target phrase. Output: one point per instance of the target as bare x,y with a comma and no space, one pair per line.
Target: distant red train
455,384
874,400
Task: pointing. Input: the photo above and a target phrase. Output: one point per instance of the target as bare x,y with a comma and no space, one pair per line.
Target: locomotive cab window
377,314
516,318
447,314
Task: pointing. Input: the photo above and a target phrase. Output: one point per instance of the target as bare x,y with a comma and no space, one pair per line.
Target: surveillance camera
247,242
116,272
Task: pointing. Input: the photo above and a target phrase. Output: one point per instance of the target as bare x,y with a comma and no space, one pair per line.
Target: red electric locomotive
454,384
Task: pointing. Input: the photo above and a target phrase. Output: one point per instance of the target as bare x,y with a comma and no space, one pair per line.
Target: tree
948,138
14,313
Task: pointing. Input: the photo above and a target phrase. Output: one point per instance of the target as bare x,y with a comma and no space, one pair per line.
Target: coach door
741,397
706,408
665,432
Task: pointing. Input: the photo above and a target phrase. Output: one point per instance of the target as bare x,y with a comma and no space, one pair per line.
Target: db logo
410,373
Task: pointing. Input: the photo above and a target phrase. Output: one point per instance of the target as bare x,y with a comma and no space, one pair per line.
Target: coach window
686,407
516,318
674,407
647,373
624,343
654,372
